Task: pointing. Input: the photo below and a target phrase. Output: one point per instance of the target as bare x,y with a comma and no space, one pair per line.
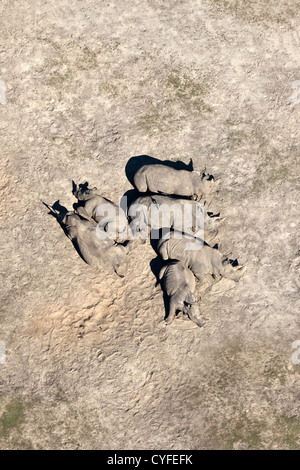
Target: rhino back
89,244
163,179
96,252
166,211
173,278
183,247
207,260
176,249
92,204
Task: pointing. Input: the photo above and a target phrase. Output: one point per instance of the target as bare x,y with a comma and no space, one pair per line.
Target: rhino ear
84,186
234,262
74,188
190,299
203,173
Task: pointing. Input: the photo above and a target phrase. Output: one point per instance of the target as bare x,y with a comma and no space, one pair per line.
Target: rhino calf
109,216
199,257
178,282
95,251
163,211
162,179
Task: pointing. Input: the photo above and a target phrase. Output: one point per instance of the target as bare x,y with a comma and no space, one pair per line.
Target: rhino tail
118,274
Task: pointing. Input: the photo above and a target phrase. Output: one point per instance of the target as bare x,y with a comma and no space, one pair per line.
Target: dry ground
89,361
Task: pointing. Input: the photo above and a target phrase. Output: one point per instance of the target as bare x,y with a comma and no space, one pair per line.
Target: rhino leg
138,229
82,212
172,312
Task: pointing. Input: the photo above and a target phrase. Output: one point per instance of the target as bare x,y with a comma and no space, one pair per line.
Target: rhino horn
240,269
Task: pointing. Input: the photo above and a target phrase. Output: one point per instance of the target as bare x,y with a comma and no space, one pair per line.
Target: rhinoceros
162,179
178,282
100,253
199,257
109,216
159,211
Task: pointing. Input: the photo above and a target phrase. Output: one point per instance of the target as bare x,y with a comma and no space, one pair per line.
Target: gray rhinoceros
159,211
100,253
109,216
162,179
198,256
178,282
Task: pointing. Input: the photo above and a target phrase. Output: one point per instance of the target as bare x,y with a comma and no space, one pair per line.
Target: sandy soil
90,363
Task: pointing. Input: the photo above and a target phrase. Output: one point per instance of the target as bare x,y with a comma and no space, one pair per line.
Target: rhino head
231,269
204,182
82,192
70,219
191,309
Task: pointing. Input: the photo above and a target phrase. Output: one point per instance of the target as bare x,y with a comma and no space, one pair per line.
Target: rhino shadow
156,264
58,212
157,234
136,162
128,198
